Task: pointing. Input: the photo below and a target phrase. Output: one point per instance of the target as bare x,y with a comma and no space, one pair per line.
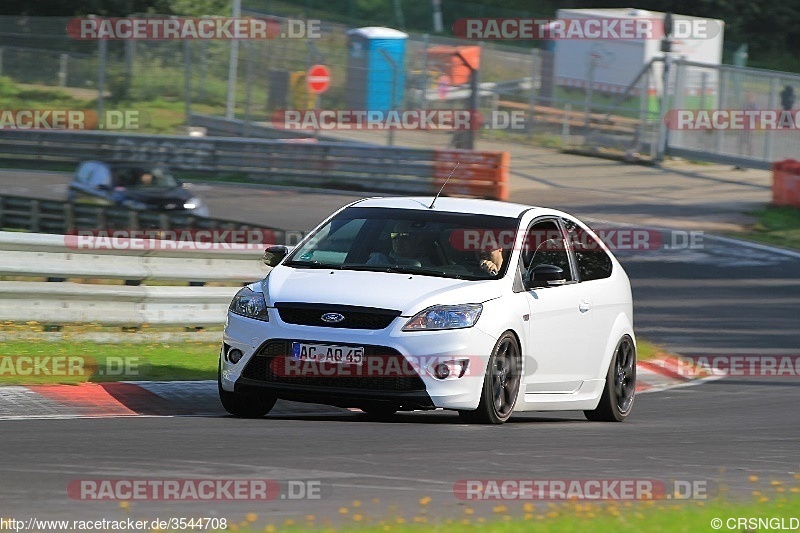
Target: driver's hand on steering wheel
489,267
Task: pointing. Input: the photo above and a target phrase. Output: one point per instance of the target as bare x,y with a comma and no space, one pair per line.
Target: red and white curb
196,398
670,372
121,399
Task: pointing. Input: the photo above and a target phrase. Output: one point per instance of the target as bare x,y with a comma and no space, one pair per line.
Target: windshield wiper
405,269
430,271
395,269
312,264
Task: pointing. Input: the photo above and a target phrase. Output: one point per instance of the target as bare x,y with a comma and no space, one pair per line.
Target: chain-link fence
37,50
699,88
520,93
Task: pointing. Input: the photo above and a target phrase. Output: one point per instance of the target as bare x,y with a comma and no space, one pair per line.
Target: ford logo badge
332,318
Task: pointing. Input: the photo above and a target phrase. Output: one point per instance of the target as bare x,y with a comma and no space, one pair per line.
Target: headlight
250,304
192,203
445,317
197,205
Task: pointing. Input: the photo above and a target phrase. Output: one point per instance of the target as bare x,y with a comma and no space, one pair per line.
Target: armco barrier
64,256
53,216
79,303
33,255
786,183
232,127
342,166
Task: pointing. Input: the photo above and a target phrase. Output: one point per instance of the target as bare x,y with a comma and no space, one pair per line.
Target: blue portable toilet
370,75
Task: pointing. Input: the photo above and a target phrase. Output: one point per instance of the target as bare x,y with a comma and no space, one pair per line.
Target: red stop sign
318,79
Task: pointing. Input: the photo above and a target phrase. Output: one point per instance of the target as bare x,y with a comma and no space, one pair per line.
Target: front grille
270,364
355,317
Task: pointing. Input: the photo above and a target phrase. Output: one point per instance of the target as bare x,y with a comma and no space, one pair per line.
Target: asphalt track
726,298
720,432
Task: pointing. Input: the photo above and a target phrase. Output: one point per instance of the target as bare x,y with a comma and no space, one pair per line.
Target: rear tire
244,406
616,401
500,385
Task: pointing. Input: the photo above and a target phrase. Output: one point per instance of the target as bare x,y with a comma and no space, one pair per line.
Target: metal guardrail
79,303
58,257
53,216
323,164
232,127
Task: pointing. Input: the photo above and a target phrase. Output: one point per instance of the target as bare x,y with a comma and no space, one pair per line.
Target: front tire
616,401
244,406
500,385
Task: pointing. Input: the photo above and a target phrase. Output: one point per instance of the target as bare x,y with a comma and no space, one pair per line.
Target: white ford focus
483,307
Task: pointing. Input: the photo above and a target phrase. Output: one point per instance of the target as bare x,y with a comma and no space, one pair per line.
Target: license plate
328,353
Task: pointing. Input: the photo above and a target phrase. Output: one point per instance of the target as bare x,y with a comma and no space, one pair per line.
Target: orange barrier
479,174
453,66
786,183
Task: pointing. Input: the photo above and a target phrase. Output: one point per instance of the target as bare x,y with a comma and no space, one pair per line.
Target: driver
491,261
407,243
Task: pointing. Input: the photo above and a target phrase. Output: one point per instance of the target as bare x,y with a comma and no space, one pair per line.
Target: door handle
584,306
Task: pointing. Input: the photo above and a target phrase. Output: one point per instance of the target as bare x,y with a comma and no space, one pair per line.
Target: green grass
158,113
565,517
778,225
647,350
87,361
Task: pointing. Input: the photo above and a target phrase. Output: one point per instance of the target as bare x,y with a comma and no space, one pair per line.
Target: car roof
452,205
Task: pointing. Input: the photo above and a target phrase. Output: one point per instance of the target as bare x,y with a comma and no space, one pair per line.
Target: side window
127,176
544,245
593,261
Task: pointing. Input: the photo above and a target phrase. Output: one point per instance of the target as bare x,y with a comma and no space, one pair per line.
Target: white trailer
611,64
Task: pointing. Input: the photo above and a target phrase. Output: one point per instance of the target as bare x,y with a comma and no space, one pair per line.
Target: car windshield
451,245
144,178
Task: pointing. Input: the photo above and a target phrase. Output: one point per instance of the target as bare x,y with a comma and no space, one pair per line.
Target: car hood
408,293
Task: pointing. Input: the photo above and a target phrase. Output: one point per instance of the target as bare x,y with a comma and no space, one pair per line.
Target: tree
114,8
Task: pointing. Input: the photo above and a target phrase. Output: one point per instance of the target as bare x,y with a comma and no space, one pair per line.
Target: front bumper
263,342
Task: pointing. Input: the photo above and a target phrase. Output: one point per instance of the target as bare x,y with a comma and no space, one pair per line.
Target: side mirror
275,254
546,276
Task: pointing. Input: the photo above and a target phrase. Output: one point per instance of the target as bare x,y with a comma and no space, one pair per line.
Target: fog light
234,356
452,369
